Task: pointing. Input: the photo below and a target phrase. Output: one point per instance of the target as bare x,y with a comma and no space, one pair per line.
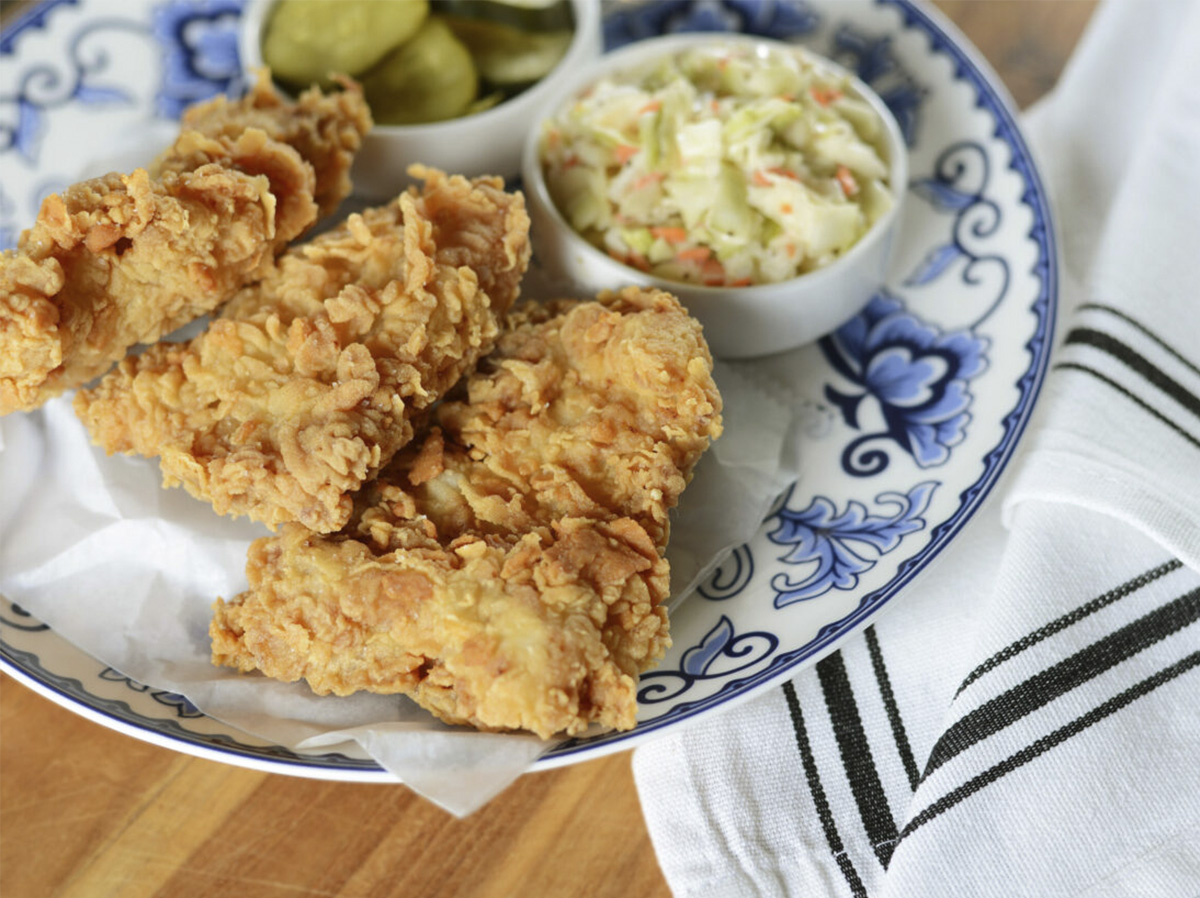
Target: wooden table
88,813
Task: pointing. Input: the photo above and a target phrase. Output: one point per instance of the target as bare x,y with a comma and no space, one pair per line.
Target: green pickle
415,65
430,78
309,40
484,103
507,56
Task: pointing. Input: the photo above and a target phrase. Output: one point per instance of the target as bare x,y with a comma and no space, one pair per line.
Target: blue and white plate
920,401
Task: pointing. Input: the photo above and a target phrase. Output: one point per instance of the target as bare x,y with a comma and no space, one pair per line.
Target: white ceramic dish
739,322
488,143
895,466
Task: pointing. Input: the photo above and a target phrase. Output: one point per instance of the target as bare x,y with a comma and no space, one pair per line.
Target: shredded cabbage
720,165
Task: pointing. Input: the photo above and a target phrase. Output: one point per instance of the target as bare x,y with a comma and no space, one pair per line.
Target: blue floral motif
19,619
8,226
704,661
958,187
842,546
46,86
200,41
730,576
873,60
36,16
779,19
183,707
919,376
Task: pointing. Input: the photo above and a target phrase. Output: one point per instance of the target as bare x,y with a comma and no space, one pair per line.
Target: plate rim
994,98
1015,421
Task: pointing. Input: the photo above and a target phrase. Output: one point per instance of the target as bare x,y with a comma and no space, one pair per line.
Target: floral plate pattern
917,404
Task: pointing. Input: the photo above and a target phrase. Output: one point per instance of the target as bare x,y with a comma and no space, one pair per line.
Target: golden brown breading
121,260
326,128
308,382
507,572
124,259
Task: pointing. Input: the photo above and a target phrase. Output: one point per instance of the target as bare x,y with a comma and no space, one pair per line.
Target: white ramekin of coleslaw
757,181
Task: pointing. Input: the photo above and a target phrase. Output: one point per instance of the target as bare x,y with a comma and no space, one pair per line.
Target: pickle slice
306,41
484,103
428,79
507,56
524,15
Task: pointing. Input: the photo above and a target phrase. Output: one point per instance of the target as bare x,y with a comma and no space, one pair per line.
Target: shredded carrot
846,179
634,259
713,273
715,106
784,173
760,179
571,161
740,282
791,250
694,254
647,179
787,98
554,137
624,152
671,235
825,95
652,106
786,208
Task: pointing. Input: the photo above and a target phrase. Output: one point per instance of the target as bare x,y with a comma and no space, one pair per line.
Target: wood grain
89,813
1026,41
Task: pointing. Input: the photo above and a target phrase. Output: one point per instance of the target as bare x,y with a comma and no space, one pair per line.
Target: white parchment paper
128,571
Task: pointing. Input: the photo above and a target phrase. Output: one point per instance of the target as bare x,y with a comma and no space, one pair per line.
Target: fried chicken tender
327,129
308,382
124,259
507,572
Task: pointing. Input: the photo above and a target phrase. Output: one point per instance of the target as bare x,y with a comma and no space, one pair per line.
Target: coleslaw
720,165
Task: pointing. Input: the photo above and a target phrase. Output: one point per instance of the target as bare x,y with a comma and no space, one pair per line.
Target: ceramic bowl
739,322
488,143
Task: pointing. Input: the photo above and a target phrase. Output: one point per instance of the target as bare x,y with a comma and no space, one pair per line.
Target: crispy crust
125,259
507,571
308,382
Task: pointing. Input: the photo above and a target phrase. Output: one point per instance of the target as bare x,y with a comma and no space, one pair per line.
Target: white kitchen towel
1027,721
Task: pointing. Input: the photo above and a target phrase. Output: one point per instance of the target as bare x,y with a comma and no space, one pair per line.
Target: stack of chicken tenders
469,493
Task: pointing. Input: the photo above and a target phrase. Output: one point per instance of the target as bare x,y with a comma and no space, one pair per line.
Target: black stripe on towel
1043,688
1122,353
1167,348
1043,745
1145,406
857,759
1073,617
824,814
893,710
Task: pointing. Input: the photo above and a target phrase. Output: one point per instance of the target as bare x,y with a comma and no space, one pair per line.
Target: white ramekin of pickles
451,83
757,181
